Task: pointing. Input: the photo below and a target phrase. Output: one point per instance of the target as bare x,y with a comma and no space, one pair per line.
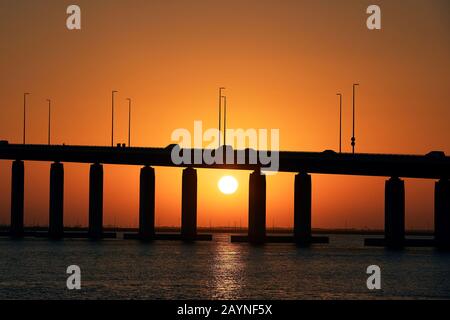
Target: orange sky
282,63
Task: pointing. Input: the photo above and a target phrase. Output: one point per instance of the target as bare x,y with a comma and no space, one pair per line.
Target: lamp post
49,118
225,121
340,122
112,117
220,113
24,114
129,121
353,130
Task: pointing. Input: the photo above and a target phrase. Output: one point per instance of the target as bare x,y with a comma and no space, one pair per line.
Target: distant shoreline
270,230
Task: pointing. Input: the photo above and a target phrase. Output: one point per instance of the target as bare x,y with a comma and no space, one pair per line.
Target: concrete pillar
442,213
147,203
257,208
56,215
17,197
96,201
189,204
302,208
394,211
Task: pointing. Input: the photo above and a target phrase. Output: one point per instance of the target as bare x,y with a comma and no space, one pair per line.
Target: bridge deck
433,166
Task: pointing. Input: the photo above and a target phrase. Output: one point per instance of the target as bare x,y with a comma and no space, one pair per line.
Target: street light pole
225,121
220,113
353,131
129,121
49,119
340,122
24,114
112,118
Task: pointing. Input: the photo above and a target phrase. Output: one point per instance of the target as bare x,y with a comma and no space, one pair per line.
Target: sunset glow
228,184
282,66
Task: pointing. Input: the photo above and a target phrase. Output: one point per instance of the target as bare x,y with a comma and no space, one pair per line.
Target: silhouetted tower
353,131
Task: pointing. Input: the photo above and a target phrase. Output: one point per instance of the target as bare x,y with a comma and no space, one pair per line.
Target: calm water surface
127,269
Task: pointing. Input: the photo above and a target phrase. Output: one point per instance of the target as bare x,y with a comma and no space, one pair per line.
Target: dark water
126,269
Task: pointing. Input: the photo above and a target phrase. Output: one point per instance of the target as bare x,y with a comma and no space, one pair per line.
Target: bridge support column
442,213
147,203
96,201
257,208
189,204
56,214
302,208
17,197
394,211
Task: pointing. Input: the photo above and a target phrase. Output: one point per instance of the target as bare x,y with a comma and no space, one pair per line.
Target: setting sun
228,184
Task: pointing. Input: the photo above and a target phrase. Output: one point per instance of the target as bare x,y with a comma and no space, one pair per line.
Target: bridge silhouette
434,165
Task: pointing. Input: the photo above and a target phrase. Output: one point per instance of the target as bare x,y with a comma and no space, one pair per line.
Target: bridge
434,165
